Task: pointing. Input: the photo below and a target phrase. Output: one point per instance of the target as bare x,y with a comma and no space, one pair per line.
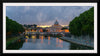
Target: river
44,43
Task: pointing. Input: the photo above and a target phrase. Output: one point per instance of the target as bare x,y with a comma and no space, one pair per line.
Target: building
55,28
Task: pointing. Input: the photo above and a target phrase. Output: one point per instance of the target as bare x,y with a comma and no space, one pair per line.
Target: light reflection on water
45,43
59,43
48,40
26,40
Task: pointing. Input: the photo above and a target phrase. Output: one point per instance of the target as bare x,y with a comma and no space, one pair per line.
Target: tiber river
44,43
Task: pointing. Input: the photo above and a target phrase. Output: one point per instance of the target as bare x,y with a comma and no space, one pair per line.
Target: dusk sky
44,15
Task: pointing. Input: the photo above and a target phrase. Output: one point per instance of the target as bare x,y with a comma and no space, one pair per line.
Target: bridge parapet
46,32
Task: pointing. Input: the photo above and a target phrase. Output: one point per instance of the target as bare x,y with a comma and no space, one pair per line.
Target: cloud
44,14
27,8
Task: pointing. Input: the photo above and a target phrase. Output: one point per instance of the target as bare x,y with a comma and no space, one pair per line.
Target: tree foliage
64,28
29,26
83,24
13,27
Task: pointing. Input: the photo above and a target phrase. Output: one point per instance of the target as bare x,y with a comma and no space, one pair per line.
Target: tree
83,24
13,27
35,25
64,28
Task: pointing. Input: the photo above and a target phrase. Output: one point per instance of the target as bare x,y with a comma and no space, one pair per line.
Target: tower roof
56,22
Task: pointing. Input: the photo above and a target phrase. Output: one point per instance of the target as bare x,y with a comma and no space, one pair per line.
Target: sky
44,15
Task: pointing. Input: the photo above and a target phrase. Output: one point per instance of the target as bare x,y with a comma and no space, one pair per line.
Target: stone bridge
46,33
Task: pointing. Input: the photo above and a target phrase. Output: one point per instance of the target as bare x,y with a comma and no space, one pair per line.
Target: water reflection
56,40
41,37
48,40
59,43
34,38
44,43
48,37
26,40
40,42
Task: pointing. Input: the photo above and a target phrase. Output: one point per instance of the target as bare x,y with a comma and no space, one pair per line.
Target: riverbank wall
13,39
88,43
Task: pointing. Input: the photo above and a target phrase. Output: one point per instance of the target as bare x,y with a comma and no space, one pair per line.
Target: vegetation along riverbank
12,40
13,31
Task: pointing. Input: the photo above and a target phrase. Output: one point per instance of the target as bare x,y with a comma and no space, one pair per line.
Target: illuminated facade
55,28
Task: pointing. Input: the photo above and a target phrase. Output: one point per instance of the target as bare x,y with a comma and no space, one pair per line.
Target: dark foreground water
44,43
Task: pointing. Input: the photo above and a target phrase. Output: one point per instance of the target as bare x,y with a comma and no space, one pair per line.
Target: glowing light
66,30
64,25
41,30
32,30
44,26
26,36
19,32
19,40
33,37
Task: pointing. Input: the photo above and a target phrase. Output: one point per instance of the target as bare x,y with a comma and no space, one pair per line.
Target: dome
56,23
